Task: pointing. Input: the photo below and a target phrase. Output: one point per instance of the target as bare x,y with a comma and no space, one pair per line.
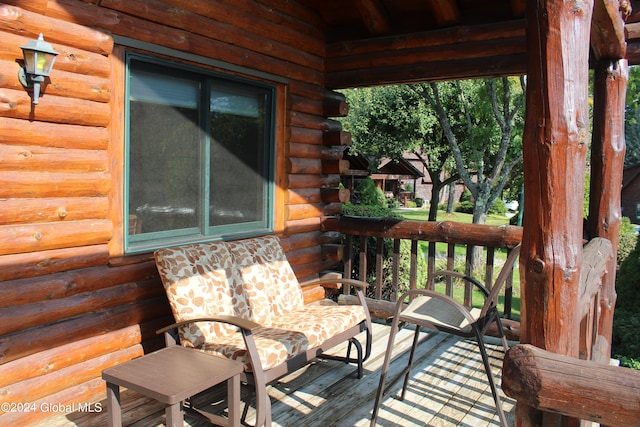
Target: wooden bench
241,300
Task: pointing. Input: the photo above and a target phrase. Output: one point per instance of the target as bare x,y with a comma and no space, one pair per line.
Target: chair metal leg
492,384
416,337
385,370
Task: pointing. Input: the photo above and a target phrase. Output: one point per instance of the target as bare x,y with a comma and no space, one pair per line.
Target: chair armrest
353,282
245,324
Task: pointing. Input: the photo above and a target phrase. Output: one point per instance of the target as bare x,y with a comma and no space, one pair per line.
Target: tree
391,120
632,118
480,119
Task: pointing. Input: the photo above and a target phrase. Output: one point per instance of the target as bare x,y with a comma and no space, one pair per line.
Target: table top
172,374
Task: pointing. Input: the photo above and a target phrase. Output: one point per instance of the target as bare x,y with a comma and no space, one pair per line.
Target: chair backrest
249,278
505,273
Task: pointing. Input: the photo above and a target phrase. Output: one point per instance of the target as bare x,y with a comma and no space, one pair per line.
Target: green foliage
387,271
627,239
464,207
498,207
369,211
626,321
370,194
419,202
632,118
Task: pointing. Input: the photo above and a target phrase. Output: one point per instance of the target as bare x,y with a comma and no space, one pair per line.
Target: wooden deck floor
448,388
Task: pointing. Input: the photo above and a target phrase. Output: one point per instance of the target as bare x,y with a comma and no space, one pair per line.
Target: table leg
175,416
233,400
114,416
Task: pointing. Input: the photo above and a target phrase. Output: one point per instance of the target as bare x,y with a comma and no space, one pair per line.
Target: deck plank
448,387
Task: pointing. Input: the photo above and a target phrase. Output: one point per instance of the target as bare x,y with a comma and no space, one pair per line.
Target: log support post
607,163
555,143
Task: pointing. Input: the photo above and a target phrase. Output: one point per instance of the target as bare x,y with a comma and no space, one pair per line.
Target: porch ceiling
373,42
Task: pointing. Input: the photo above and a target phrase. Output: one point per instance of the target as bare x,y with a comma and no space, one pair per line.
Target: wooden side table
170,376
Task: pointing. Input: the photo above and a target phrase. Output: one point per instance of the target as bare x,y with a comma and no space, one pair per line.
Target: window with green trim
199,155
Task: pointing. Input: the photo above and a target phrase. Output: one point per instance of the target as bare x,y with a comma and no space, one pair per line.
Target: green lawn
441,248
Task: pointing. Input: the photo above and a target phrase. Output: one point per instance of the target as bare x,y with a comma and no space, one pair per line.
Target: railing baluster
396,269
451,260
379,265
348,263
413,271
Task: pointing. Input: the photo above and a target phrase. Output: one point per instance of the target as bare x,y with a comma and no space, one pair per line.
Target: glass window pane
238,182
164,165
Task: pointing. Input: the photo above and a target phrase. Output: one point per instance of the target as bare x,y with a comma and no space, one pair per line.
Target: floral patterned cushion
264,273
251,279
197,281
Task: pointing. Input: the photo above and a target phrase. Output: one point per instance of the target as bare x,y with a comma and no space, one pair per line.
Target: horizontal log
235,32
506,236
313,181
140,29
65,32
303,166
303,225
490,66
572,387
17,104
298,196
91,391
334,107
32,341
333,252
37,6
70,85
311,270
40,313
54,382
307,105
332,209
288,23
337,138
311,210
20,211
459,52
316,151
33,158
20,238
304,255
61,357
70,283
305,240
309,90
41,263
311,121
335,195
27,132
53,184
337,167
69,59
306,136
313,294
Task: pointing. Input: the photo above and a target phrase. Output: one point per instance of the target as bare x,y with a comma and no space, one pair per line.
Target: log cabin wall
71,303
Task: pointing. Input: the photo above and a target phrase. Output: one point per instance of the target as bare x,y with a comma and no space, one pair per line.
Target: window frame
204,231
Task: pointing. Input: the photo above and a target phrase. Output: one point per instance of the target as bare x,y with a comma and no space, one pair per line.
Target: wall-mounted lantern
39,57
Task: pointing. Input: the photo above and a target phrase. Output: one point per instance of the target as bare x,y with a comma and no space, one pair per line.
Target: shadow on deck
448,387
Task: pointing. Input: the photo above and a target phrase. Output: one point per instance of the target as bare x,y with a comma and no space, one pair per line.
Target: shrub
498,207
419,202
370,194
627,239
387,272
465,207
625,343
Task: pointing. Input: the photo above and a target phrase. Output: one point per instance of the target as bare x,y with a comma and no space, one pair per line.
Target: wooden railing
455,235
